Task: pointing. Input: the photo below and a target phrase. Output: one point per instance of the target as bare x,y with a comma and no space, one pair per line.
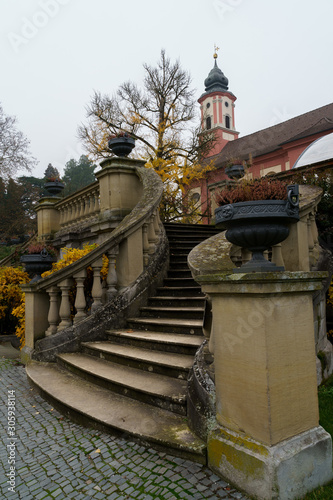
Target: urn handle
293,195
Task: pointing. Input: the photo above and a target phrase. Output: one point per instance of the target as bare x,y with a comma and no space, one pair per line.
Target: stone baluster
82,207
97,291
76,212
80,300
61,218
96,207
112,278
246,255
277,257
156,224
316,246
71,215
145,244
86,206
314,229
53,316
151,236
65,214
65,308
78,209
92,202
160,223
68,215
310,241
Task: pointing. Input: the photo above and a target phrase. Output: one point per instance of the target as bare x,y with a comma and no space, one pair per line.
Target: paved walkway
56,458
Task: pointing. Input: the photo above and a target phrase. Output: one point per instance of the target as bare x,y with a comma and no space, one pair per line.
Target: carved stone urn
257,226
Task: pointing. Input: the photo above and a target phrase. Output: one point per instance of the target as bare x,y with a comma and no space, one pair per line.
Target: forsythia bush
12,301
71,255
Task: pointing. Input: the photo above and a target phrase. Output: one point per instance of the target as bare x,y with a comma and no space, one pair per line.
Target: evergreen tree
51,172
78,174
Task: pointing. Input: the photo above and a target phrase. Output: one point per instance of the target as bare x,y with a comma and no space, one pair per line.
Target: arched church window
208,122
227,121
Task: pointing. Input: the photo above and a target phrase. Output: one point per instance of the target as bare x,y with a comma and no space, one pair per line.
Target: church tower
218,108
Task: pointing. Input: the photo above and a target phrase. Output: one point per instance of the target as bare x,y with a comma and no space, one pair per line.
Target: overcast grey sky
277,55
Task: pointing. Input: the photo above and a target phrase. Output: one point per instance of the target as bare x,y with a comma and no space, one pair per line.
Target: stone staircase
135,381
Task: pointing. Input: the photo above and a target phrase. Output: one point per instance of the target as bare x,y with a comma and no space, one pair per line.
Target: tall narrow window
208,122
227,121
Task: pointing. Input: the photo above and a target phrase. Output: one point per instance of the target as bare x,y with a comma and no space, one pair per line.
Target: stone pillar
119,186
48,217
129,263
36,319
267,440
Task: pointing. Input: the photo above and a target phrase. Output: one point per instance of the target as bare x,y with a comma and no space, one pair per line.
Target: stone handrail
129,249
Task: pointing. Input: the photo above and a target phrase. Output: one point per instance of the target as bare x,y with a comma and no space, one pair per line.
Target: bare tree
160,115
14,148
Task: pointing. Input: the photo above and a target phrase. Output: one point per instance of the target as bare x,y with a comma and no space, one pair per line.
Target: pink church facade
272,150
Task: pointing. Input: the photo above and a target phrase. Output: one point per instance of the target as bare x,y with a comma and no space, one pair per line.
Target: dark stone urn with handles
258,225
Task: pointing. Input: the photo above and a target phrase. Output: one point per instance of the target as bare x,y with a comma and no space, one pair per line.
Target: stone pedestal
48,217
267,441
119,186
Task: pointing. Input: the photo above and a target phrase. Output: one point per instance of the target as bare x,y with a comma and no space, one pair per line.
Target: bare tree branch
14,148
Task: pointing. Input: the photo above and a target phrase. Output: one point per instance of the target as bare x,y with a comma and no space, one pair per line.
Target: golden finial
216,49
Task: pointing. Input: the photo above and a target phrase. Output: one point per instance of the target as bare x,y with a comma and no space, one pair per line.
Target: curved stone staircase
135,381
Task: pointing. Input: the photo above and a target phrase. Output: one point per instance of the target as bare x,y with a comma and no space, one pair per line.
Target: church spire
218,107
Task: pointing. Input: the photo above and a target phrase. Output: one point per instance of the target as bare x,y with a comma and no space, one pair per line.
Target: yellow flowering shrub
19,313
71,255
12,300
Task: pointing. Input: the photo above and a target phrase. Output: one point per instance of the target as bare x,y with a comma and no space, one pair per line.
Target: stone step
151,388
166,363
187,236
172,312
170,301
114,413
181,264
178,257
178,291
183,244
168,325
159,341
182,272
179,282
180,227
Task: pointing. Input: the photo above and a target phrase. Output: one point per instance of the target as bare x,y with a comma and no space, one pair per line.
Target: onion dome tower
218,108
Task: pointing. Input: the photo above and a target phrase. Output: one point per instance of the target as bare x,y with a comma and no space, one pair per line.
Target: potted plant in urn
235,169
257,215
53,185
37,259
121,144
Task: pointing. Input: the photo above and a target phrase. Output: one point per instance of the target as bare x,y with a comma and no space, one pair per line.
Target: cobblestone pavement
56,458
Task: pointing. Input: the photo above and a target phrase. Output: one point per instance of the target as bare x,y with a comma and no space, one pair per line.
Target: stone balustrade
129,249
81,206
